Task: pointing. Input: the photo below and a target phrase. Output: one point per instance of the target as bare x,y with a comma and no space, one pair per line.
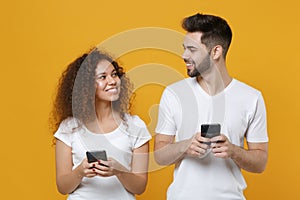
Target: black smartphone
210,131
94,156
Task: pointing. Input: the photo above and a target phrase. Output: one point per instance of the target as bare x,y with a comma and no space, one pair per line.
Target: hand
197,146
108,168
222,147
85,169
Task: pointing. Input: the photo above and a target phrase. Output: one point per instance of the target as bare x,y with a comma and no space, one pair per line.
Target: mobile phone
94,156
210,131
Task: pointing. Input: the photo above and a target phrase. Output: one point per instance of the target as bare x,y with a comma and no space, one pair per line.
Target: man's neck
214,82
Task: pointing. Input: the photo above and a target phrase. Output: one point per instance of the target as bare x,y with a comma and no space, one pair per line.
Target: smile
112,90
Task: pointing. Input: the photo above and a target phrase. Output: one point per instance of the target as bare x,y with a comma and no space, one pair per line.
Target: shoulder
68,125
187,82
135,120
180,88
66,130
245,89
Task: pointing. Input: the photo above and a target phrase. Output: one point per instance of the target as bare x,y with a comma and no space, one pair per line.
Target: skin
68,179
208,66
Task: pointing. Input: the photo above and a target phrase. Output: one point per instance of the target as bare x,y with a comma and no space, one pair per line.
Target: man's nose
185,55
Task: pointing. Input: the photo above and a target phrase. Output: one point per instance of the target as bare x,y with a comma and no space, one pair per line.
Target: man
210,168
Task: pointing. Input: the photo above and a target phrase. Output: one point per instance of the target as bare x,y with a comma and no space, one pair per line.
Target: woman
91,112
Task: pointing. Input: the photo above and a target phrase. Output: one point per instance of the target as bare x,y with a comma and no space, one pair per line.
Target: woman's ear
217,52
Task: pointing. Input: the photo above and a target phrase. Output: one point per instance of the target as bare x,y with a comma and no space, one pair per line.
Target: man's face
195,55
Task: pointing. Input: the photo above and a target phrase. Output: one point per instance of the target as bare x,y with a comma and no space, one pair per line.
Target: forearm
134,183
252,160
67,183
170,153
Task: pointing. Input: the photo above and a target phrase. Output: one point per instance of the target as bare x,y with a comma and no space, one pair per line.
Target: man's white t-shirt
118,144
240,110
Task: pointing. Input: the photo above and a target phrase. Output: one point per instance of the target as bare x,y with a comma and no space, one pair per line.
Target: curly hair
76,88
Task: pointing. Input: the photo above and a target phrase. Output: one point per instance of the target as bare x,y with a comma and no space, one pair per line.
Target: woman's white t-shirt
118,144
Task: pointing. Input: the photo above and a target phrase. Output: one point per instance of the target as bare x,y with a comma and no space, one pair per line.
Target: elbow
140,189
159,160
263,165
261,168
61,190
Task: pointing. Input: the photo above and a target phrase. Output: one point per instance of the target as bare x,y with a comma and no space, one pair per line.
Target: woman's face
107,82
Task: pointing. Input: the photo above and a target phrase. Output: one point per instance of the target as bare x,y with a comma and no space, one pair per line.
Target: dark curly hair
75,95
214,29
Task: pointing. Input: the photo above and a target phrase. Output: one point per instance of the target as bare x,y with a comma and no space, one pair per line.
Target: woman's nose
111,80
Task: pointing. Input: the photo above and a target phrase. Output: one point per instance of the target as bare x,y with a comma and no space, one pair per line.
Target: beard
201,68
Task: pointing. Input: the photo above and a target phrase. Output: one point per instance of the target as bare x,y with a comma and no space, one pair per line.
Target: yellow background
39,38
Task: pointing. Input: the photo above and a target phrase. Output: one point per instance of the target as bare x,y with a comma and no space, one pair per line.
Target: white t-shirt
118,144
240,110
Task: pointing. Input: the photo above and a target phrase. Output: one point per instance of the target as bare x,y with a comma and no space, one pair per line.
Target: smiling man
210,168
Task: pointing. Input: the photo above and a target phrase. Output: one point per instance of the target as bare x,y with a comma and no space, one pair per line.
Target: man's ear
217,52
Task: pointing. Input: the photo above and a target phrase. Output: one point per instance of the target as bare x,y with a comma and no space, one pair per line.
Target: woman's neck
107,119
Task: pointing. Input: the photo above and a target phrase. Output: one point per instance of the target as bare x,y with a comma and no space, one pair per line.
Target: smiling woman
91,113
107,82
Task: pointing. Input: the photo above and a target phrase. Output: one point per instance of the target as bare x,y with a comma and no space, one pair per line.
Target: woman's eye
114,74
101,77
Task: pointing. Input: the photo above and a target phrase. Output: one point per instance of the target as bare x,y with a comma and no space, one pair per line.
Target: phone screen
210,130
94,156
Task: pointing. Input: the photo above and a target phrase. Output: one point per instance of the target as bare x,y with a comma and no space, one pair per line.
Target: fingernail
94,165
99,162
93,169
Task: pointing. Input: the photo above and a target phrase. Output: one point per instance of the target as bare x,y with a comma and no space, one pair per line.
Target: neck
214,81
104,111
107,119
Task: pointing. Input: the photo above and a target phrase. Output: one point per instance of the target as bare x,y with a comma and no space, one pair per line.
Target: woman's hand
108,168
86,169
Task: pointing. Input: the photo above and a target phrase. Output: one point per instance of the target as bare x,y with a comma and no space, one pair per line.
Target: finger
104,173
221,155
104,163
219,149
201,151
202,139
218,139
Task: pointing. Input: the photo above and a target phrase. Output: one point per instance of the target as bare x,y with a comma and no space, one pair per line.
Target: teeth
112,90
188,64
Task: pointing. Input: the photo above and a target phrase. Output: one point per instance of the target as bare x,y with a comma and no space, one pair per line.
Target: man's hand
197,146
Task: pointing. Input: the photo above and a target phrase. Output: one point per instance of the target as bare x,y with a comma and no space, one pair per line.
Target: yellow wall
38,39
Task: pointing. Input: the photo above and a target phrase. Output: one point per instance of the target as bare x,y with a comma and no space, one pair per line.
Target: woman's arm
67,180
134,181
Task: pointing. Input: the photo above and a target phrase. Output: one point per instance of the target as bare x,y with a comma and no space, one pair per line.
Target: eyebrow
189,47
102,73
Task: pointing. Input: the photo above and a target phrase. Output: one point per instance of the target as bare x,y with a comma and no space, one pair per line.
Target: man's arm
254,159
167,152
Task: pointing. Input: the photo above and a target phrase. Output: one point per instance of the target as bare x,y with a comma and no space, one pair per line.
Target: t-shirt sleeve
138,132
257,130
165,122
64,131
